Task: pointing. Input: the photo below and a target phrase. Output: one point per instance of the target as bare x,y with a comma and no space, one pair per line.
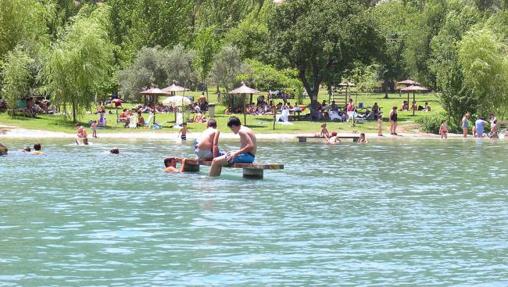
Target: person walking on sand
393,121
93,126
246,153
207,146
465,124
443,130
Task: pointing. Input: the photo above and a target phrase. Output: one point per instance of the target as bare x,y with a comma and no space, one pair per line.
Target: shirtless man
207,147
246,153
81,135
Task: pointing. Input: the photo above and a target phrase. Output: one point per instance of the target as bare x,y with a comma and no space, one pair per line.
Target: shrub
431,124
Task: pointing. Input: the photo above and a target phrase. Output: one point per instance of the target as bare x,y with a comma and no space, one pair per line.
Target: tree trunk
385,88
74,111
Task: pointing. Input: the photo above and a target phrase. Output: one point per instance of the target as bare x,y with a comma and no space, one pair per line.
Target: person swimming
362,139
38,149
170,165
114,151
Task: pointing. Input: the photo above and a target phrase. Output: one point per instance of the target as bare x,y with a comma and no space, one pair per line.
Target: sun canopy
408,83
174,88
244,90
414,89
154,91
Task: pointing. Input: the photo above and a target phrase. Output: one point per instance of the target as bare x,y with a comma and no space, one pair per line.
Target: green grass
261,124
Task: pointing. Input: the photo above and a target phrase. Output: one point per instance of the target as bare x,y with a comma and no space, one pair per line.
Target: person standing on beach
393,121
443,130
93,126
465,124
246,153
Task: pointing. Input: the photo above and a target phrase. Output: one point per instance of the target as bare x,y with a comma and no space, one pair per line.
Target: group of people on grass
415,107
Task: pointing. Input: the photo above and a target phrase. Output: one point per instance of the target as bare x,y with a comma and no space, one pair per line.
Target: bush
431,124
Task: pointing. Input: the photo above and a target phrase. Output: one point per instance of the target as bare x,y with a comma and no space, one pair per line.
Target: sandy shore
8,132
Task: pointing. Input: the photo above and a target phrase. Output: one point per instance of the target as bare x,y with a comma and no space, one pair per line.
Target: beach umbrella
413,89
408,83
177,101
244,90
174,88
154,92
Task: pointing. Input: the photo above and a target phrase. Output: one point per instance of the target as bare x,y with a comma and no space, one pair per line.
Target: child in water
333,139
324,132
183,132
443,130
362,139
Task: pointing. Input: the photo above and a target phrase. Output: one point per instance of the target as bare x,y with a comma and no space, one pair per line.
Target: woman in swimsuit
465,124
393,121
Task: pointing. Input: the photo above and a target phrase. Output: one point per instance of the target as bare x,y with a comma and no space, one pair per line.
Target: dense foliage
77,51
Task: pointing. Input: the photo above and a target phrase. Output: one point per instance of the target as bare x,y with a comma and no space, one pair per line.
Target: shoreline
9,132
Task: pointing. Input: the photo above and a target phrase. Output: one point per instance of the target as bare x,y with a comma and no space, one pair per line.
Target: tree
445,61
322,39
17,76
205,45
484,59
391,18
21,22
265,77
148,69
79,63
227,65
178,64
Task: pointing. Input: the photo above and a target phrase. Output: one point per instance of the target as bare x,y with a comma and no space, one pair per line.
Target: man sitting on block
246,153
207,146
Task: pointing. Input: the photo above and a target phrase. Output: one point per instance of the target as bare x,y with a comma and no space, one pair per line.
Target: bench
303,139
250,170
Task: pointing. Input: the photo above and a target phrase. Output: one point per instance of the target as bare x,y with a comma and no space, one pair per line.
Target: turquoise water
383,214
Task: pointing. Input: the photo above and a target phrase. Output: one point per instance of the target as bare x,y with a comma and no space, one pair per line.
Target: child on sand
362,139
443,130
93,126
393,121
183,132
324,132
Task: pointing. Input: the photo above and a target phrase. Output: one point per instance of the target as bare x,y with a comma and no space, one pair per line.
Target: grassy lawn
261,124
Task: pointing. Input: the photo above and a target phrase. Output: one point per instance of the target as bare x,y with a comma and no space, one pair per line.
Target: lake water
383,214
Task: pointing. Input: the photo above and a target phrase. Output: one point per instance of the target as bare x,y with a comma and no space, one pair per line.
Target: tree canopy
76,51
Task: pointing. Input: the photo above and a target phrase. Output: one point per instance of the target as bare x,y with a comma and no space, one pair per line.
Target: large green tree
322,39
22,22
17,76
80,62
